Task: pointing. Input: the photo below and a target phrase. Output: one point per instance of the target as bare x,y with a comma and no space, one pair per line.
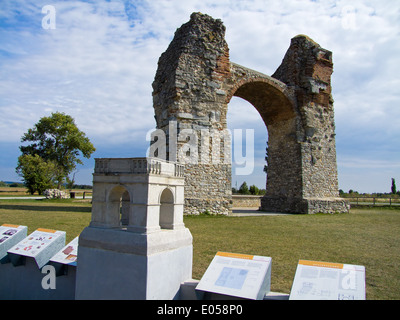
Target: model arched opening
166,209
118,206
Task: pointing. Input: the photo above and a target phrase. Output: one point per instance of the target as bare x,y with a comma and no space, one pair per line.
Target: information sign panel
41,245
67,255
237,275
316,280
10,235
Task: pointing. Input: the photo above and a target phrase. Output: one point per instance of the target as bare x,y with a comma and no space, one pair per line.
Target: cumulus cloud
93,66
99,63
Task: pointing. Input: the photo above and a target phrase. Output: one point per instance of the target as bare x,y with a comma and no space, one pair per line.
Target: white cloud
90,67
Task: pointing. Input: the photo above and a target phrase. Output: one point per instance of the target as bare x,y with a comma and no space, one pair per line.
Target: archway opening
118,206
249,142
166,209
276,150
124,209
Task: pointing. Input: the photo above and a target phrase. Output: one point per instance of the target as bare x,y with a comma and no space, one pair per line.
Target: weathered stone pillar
187,92
307,69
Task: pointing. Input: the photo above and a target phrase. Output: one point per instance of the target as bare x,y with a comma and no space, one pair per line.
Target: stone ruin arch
193,85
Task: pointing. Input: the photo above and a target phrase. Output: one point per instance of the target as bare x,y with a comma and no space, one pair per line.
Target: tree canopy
58,142
38,174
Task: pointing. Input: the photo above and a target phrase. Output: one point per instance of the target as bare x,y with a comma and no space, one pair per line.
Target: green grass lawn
368,237
63,215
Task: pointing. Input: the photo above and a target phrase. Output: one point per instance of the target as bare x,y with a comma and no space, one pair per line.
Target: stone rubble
55,194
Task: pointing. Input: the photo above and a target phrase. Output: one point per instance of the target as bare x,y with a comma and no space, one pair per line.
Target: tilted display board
316,280
67,255
41,245
10,235
237,275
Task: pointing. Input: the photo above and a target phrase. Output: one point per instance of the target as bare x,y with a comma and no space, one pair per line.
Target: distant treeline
245,190
82,186
21,185
11,184
355,194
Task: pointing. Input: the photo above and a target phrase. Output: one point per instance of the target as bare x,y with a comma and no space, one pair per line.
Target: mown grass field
368,237
23,192
7,191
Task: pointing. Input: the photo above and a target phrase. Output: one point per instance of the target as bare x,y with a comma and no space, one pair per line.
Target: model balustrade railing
137,166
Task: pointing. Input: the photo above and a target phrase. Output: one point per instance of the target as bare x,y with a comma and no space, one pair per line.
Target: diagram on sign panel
232,278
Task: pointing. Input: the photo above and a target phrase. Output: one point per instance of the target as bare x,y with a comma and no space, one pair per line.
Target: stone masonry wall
187,90
246,201
307,67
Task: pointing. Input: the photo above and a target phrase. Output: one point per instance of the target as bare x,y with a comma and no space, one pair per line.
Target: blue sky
99,62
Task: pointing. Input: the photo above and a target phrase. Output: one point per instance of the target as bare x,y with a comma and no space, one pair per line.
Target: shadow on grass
32,207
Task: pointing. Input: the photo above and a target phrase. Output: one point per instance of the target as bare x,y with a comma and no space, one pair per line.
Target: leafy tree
244,189
394,190
57,140
254,190
37,173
